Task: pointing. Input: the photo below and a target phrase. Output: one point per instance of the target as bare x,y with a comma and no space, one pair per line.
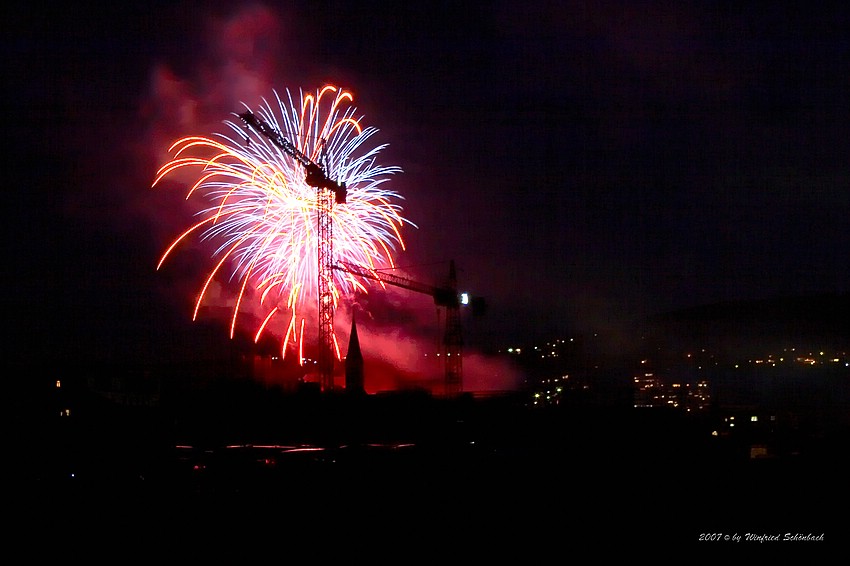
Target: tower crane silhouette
446,296
328,193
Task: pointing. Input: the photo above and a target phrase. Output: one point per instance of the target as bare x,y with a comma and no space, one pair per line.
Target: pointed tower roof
354,363
354,343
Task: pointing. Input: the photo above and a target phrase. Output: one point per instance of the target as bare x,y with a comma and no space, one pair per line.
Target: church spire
354,362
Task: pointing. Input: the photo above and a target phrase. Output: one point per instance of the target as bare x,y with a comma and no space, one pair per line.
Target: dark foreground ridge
414,469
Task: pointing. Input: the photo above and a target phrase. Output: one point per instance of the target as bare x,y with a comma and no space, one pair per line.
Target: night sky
584,164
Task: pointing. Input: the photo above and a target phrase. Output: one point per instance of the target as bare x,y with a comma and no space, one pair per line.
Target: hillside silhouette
813,320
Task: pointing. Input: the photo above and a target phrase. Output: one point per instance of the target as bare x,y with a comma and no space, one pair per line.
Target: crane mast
444,296
328,193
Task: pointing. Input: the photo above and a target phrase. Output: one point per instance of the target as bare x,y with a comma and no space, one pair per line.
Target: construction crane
328,193
444,296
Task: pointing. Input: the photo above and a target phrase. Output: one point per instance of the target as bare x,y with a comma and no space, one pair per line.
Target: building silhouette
354,363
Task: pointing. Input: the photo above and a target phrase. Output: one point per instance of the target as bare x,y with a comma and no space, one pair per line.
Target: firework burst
262,216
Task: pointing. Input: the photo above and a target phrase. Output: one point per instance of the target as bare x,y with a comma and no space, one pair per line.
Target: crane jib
315,176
